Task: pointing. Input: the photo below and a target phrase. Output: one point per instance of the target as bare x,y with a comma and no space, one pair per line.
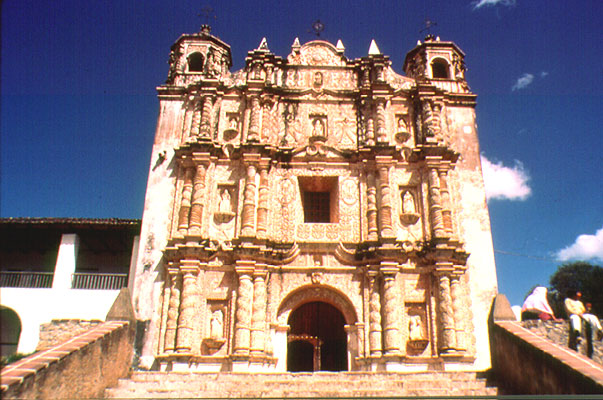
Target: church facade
315,213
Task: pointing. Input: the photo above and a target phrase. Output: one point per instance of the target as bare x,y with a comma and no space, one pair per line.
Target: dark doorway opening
317,339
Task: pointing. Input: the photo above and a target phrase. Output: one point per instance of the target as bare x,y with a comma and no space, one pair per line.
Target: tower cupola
435,60
198,56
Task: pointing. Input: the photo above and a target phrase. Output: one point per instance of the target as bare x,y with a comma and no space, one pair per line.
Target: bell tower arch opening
317,340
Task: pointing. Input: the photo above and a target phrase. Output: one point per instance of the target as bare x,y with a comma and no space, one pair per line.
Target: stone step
322,384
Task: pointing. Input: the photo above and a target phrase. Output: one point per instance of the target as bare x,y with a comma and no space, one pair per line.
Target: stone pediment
317,52
318,150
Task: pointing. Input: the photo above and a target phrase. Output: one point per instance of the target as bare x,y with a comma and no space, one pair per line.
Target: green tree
581,276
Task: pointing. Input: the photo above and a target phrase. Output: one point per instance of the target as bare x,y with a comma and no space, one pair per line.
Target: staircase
159,385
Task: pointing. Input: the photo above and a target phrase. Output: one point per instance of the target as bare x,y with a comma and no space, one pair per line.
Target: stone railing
558,333
25,279
525,361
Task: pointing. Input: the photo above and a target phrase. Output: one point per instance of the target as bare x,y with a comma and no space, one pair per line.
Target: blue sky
78,104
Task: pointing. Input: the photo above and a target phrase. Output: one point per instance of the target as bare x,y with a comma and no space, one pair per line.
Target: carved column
385,217
253,134
263,202
371,209
381,133
243,312
205,128
258,318
187,309
375,345
370,129
171,325
435,204
196,122
445,198
457,294
448,336
197,201
392,341
248,217
185,204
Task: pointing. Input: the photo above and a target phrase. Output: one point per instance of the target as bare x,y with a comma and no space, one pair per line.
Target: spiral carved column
448,338
392,341
205,126
457,294
435,204
187,311
375,345
263,203
171,325
370,130
196,122
243,313
258,317
371,212
197,201
445,197
185,204
381,134
248,217
253,134
386,207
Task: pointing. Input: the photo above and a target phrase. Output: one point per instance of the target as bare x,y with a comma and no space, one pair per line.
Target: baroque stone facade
315,213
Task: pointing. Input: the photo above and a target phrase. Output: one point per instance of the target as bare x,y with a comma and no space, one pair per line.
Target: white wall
39,306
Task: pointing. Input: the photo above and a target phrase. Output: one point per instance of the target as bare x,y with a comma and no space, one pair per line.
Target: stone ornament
408,209
402,132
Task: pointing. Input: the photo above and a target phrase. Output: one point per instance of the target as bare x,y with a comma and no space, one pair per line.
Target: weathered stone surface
59,330
319,385
315,179
81,367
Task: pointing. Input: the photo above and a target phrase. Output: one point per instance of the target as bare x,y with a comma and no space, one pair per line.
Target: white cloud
523,82
543,74
490,3
586,247
505,183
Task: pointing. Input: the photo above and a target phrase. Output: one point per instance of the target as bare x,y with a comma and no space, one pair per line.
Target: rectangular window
320,200
317,207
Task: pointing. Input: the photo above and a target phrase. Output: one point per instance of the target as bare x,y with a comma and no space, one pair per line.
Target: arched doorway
10,332
317,340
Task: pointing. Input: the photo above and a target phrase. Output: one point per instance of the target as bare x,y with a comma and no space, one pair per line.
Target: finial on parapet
340,48
373,49
263,45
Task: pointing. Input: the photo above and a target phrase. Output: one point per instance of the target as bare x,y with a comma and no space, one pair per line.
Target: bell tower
437,62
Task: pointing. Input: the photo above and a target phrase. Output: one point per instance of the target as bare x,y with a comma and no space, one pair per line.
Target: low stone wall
81,367
60,330
558,333
525,362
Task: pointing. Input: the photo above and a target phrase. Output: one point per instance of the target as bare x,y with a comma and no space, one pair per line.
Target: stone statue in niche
415,328
318,79
233,122
408,214
232,129
216,325
224,212
225,202
319,129
402,133
257,72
